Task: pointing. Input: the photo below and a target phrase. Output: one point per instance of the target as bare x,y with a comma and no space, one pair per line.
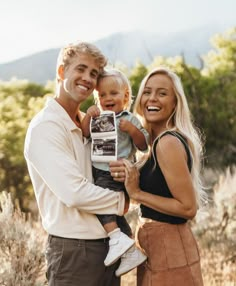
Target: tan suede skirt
173,256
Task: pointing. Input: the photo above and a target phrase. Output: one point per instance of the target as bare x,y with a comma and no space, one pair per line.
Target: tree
136,76
220,69
17,107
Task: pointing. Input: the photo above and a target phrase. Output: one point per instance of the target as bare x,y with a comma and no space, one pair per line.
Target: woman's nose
153,96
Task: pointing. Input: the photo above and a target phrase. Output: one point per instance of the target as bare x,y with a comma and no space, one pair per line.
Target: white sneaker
117,247
131,259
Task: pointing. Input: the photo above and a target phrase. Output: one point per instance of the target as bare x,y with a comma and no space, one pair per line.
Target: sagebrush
21,246
22,241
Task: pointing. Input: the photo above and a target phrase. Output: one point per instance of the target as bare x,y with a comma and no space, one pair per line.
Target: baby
114,94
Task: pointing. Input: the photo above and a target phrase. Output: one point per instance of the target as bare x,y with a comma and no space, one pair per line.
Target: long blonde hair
180,121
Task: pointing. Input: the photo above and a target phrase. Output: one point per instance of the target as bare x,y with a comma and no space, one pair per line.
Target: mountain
124,48
39,67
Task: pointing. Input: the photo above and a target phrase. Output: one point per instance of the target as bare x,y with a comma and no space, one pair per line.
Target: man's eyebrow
85,66
82,65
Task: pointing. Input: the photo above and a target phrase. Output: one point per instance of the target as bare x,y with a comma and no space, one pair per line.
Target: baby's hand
93,111
125,125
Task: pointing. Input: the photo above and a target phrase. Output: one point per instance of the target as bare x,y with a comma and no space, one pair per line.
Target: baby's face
111,95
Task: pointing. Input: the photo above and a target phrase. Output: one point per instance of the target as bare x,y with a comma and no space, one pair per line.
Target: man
58,159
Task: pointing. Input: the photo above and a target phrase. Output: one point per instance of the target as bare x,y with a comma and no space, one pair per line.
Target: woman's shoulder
169,146
169,142
169,138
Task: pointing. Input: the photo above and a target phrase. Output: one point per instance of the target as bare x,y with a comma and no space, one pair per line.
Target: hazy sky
29,26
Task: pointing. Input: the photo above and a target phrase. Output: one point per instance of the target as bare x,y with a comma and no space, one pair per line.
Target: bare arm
92,112
173,163
136,135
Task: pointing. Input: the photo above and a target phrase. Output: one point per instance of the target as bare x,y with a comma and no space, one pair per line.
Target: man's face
79,78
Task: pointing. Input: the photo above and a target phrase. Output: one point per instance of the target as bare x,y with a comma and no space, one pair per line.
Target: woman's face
158,100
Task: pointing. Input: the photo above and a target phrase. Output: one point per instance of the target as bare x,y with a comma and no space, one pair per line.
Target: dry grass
21,252
129,279
22,241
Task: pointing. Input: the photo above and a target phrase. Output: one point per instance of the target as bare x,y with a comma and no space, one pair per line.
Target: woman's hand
117,170
131,180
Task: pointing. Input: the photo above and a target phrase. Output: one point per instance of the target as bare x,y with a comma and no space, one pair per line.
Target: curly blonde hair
74,49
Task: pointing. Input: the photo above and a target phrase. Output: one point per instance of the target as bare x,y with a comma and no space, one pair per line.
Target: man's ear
61,71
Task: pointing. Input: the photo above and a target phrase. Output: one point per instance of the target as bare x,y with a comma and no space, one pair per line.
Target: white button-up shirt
59,164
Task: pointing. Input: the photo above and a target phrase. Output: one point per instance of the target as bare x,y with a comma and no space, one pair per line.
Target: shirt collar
122,113
61,112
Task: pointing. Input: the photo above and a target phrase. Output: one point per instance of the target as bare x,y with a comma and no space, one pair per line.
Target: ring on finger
116,174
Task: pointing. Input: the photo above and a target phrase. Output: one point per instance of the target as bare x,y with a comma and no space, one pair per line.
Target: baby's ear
127,95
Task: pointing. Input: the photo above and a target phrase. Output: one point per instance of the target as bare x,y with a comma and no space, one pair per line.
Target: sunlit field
210,90
22,240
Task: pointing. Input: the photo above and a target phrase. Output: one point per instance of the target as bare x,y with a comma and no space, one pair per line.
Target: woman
168,188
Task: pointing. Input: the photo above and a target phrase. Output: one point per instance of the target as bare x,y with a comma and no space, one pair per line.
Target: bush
216,232
21,243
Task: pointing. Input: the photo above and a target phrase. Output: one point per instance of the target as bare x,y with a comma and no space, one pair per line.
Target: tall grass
21,246
216,232
22,240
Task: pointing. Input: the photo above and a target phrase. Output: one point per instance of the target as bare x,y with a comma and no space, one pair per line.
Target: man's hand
117,170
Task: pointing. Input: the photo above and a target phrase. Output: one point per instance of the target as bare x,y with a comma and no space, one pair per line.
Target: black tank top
153,181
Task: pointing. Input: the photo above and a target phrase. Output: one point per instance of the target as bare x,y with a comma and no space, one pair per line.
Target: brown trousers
78,262
173,256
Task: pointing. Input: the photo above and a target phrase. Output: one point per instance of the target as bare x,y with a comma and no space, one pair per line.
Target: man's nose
86,77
